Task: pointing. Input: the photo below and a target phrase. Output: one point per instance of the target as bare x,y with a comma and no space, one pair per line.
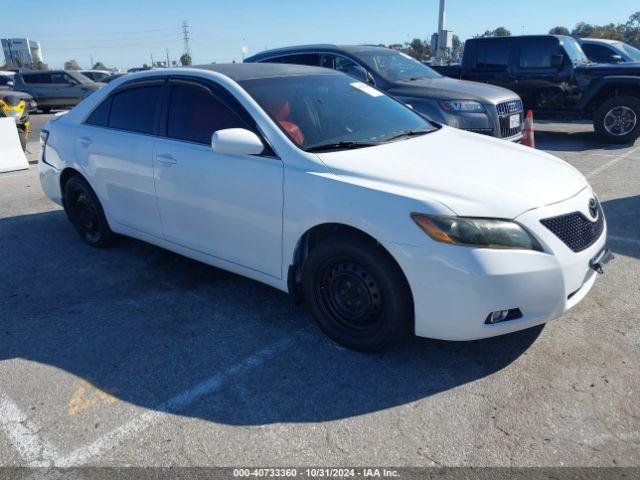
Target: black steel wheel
357,293
85,212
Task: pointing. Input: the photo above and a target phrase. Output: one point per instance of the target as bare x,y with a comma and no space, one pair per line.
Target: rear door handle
85,141
166,158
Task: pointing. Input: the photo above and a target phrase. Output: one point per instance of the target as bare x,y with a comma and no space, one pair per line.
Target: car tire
86,214
617,120
357,293
23,139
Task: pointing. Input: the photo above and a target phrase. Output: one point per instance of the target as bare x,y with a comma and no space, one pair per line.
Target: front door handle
166,158
85,141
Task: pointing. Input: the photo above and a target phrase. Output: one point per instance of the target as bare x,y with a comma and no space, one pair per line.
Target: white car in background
322,186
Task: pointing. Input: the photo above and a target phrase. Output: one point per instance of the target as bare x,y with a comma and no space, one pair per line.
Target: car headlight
461,106
476,232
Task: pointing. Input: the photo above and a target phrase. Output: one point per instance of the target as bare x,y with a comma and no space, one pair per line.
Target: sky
126,33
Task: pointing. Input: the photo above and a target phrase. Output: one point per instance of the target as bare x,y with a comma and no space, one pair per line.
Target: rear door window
537,55
37,78
195,114
135,109
599,53
492,55
312,59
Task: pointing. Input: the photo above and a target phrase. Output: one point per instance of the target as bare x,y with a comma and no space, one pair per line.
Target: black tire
85,213
624,130
357,293
23,139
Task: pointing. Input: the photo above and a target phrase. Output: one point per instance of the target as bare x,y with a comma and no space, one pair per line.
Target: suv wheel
357,293
85,213
618,120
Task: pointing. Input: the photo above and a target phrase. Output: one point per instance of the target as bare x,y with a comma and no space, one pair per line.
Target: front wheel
357,293
618,120
85,213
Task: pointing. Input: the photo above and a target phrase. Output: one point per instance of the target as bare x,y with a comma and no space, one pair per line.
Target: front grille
483,131
575,230
505,110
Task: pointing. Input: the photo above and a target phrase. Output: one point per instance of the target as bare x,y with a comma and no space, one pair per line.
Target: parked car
325,187
96,75
555,79
601,50
113,77
467,105
55,88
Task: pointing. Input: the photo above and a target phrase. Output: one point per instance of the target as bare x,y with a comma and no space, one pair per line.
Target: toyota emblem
593,208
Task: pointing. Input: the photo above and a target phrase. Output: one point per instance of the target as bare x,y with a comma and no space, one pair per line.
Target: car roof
519,37
251,71
599,40
325,47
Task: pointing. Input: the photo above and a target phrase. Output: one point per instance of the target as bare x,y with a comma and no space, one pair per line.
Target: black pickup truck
555,79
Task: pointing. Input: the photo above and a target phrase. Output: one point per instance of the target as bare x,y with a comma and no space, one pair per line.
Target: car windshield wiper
340,146
408,133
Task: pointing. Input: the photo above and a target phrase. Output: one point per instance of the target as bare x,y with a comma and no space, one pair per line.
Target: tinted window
537,55
100,116
194,114
303,59
317,110
598,53
37,78
61,78
135,109
336,62
494,55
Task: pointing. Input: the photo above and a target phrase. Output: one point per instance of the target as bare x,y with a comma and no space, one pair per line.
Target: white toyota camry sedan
322,186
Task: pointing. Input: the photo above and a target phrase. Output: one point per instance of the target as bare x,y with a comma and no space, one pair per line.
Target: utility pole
186,38
168,58
151,60
91,58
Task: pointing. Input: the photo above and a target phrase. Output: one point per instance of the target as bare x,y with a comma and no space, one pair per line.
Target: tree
498,32
99,66
39,65
185,59
418,49
632,30
456,47
71,65
559,31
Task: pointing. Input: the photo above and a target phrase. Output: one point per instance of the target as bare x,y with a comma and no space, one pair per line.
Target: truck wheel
618,120
358,295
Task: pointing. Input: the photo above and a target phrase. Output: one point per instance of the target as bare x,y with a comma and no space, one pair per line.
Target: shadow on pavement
556,141
148,325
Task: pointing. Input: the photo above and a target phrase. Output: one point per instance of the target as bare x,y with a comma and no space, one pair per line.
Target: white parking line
23,435
175,404
610,163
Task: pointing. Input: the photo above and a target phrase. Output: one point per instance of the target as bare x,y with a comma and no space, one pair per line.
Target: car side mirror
557,60
236,141
616,59
359,73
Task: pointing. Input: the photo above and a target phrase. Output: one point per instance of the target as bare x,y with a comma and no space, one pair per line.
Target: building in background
22,51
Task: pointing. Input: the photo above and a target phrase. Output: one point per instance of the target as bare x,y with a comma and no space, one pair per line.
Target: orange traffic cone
527,133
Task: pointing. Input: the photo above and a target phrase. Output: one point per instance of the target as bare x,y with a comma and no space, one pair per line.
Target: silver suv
55,88
472,106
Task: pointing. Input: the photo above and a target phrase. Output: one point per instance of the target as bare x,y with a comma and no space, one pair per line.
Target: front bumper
455,288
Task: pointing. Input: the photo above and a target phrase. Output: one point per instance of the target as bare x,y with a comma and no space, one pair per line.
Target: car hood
445,88
473,175
603,69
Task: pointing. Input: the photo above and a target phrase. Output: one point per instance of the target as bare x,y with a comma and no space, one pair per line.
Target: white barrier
11,155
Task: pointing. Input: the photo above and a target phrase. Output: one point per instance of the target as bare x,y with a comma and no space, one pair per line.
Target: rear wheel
357,293
618,120
85,213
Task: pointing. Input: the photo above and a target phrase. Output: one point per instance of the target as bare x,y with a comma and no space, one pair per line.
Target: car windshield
324,112
394,66
79,77
574,51
633,52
